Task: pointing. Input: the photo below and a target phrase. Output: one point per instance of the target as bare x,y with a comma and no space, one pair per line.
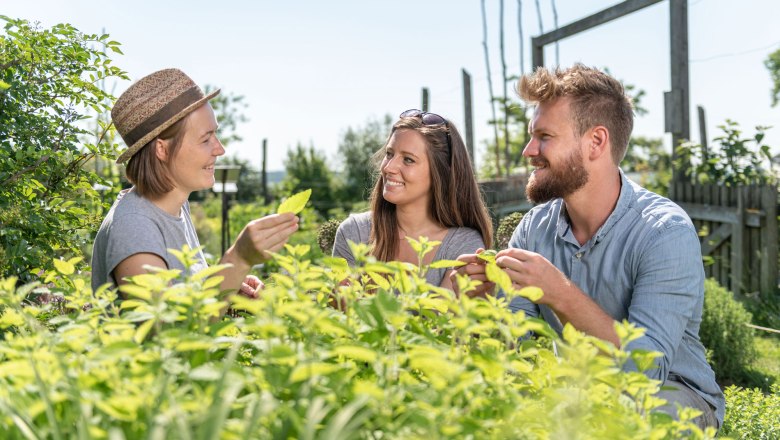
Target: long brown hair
455,201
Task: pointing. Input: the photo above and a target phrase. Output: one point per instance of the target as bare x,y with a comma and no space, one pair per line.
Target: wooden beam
591,21
716,238
711,213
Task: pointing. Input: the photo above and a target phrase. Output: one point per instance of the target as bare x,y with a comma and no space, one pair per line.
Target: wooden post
678,36
769,248
263,174
425,100
737,245
469,122
703,131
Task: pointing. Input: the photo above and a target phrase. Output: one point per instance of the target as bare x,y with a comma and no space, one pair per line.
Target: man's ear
161,150
598,138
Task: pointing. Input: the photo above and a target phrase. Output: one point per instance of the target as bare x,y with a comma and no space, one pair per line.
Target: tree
772,63
357,147
47,82
738,160
229,110
306,168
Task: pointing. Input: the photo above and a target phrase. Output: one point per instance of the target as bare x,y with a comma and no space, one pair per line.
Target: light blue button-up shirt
643,265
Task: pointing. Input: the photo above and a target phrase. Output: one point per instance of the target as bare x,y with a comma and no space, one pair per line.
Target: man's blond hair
596,99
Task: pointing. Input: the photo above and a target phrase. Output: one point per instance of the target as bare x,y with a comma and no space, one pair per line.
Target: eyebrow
210,132
403,152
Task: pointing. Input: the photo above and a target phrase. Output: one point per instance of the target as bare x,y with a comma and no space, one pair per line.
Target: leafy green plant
751,414
506,227
404,359
738,160
326,234
48,82
729,341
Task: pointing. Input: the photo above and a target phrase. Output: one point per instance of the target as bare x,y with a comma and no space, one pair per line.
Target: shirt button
578,255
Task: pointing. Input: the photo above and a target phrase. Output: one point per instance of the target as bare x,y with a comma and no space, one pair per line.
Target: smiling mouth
393,183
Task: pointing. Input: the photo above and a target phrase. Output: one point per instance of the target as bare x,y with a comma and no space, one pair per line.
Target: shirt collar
623,204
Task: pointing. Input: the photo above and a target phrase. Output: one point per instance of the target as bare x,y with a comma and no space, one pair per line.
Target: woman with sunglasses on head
171,133
425,188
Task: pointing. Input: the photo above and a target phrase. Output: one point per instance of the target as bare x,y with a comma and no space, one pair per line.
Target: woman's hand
263,235
250,287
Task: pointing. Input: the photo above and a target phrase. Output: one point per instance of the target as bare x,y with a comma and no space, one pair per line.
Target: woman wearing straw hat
170,130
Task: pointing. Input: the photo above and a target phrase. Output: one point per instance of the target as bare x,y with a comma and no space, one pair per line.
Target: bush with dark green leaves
506,227
48,82
729,341
326,235
403,359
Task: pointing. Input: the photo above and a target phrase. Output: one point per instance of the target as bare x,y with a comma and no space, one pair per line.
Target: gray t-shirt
135,225
458,241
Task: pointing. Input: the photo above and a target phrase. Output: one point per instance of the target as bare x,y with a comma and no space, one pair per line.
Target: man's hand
475,269
531,269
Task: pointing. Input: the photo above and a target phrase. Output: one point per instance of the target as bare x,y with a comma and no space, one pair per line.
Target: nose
219,149
389,165
531,148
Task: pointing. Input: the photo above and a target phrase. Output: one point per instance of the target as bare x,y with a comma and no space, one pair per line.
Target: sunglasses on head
430,119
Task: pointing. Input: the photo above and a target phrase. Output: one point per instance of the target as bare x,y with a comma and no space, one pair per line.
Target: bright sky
309,69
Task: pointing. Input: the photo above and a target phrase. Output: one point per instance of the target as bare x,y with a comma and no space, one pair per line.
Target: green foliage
772,63
735,162
49,82
357,148
502,157
229,110
307,168
730,342
207,218
506,227
751,414
326,234
647,157
404,359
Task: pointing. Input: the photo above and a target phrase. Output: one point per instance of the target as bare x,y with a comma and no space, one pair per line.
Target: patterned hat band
164,114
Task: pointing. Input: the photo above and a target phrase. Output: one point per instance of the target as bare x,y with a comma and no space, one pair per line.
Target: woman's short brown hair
150,175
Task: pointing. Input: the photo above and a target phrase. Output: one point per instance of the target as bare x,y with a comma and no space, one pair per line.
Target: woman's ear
161,150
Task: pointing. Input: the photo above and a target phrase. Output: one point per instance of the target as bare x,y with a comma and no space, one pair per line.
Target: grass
768,362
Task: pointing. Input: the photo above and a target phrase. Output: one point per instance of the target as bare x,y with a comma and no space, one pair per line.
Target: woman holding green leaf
171,133
425,188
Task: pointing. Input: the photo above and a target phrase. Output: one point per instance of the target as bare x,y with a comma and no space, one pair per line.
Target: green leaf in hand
488,255
295,203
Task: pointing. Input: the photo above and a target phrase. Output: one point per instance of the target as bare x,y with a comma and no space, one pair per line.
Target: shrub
48,82
326,235
506,227
403,360
730,343
751,414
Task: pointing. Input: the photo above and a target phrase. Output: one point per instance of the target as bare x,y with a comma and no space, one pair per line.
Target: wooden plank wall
739,231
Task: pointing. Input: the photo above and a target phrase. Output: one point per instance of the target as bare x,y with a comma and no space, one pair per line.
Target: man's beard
560,180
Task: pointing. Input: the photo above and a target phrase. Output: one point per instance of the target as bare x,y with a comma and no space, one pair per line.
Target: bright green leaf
294,203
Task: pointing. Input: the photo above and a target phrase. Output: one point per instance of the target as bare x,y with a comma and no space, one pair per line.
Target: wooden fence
505,196
739,232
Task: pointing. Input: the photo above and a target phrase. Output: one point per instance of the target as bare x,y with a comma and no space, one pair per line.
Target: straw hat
153,104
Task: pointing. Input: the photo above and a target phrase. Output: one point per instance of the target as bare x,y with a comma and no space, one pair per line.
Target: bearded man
602,248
